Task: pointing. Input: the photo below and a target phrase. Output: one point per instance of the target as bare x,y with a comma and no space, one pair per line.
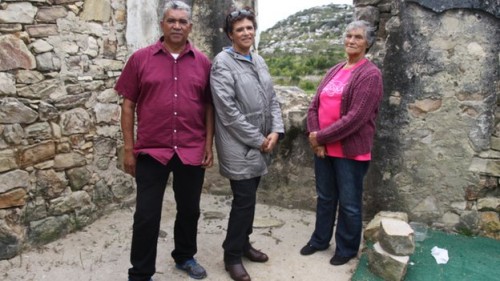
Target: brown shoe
255,255
238,272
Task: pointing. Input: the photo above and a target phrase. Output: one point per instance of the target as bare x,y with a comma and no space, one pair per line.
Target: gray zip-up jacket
246,111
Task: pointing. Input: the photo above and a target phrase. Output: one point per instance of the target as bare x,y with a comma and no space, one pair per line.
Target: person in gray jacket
248,124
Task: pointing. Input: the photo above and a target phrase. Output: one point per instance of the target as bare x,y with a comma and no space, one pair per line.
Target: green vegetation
300,49
293,69
295,65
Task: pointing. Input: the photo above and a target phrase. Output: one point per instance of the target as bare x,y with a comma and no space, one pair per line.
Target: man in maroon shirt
167,84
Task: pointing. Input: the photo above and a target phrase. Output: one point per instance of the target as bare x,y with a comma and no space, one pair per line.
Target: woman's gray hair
367,27
177,5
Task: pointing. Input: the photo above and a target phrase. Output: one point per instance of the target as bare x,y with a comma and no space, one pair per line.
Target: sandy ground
101,250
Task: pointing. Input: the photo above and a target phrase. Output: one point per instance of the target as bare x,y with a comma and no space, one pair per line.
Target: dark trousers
339,183
151,178
240,219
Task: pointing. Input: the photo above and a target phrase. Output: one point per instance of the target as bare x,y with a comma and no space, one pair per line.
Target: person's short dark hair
237,15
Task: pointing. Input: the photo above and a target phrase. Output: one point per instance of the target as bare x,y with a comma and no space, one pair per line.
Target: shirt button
175,78
175,147
175,113
175,131
175,95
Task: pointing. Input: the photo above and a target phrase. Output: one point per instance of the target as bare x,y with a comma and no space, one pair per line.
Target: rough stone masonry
436,155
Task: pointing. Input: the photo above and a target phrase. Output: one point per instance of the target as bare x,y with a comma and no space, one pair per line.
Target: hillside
300,48
307,31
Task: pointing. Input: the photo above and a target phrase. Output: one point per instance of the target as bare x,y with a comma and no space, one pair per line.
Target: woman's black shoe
338,260
308,250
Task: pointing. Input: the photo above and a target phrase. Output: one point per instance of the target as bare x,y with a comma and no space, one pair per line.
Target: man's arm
127,123
208,159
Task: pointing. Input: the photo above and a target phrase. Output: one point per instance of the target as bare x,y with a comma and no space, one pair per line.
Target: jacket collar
235,55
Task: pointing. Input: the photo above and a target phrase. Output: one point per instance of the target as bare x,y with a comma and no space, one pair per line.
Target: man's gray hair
177,5
367,27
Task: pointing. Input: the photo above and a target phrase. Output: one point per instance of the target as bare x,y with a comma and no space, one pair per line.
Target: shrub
291,68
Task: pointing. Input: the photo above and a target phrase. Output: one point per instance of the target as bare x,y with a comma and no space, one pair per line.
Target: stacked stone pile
394,243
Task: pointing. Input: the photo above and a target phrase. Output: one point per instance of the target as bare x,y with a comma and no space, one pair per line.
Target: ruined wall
60,138
208,16
437,151
59,117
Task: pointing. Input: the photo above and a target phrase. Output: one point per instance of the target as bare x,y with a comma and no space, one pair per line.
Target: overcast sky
272,11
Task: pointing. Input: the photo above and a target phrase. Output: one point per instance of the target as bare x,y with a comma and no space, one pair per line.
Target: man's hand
129,162
208,159
127,123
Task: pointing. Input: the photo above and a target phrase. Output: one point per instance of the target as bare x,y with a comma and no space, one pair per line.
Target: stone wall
436,150
60,138
436,154
59,117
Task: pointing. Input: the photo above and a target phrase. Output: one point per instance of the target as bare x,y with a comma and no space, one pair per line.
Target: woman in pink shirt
341,126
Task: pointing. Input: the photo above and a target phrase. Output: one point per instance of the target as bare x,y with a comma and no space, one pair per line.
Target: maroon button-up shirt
171,97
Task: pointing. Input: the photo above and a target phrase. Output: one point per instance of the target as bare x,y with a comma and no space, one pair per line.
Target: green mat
470,259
